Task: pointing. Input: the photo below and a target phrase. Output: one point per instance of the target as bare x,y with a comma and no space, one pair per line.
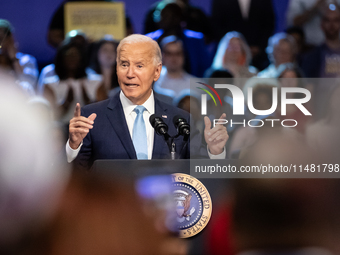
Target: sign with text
96,19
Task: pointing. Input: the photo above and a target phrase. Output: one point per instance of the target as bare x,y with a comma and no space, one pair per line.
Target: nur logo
239,101
204,97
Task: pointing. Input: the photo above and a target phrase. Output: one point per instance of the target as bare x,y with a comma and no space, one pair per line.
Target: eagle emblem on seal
182,200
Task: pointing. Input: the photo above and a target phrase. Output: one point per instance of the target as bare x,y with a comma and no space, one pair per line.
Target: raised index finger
207,123
77,110
221,120
223,116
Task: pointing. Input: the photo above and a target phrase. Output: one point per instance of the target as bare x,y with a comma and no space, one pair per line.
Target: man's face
283,53
136,71
173,57
331,24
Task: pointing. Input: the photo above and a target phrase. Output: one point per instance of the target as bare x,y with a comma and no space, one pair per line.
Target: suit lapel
116,116
158,145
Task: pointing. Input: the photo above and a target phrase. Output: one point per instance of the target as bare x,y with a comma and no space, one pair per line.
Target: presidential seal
192,203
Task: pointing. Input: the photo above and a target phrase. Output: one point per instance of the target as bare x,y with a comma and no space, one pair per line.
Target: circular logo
192,203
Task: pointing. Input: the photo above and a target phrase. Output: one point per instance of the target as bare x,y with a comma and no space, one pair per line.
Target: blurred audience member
100,214
231,61
307,15
276,215
300,39
254,19
281,49
324,60
31,178
103,62
196,58
56,30
77,37
44,110
251,83
22,66
193,18
323,135
71,83
222,76
173,78
189,101
233,54
284,216
218,73
246,136
291,76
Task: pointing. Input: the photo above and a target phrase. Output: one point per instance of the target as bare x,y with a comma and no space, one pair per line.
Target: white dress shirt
130,117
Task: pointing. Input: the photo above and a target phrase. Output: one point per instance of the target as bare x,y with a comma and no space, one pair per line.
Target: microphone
182,126
160,127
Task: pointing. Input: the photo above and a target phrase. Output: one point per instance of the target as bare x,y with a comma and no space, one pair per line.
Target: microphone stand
173,149
171,144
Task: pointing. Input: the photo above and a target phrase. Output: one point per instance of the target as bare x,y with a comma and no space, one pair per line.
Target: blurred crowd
237,42
235,45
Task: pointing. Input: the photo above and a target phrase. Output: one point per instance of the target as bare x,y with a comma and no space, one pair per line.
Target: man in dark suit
252,18
107,129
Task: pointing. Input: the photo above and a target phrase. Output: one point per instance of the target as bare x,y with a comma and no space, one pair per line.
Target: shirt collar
128,106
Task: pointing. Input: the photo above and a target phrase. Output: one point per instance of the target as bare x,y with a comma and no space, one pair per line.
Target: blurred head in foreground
285,215
30,180
99,215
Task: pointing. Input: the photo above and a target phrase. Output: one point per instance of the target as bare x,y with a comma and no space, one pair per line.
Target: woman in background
281,50
71,84
291,76
103,62
233,54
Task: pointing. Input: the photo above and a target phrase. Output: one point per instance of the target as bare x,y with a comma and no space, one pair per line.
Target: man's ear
158,71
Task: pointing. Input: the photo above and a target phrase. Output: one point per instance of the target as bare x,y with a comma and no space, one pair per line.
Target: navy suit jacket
110,137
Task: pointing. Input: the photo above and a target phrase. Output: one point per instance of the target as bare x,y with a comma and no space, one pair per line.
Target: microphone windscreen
177,119
152,120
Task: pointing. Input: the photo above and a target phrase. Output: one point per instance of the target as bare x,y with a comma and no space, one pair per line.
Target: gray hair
137,38
275,40
223,45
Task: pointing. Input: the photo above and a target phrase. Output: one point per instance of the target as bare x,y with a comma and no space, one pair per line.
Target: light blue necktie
139,137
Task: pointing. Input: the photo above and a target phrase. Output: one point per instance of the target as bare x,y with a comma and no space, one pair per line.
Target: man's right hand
79,127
